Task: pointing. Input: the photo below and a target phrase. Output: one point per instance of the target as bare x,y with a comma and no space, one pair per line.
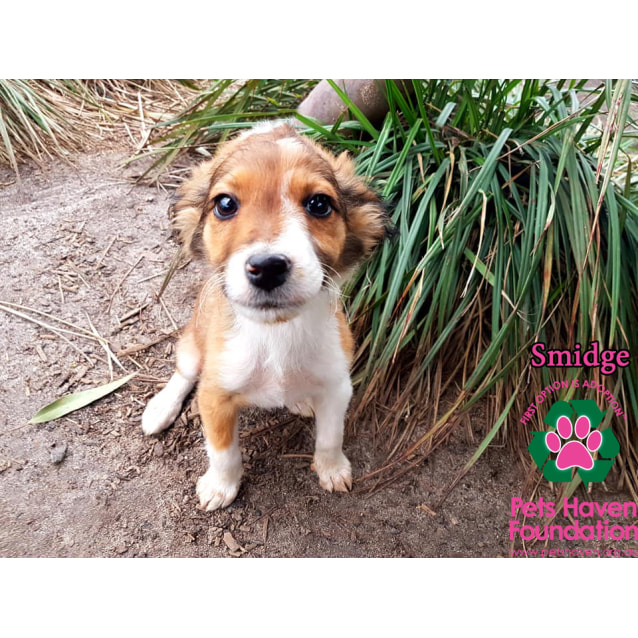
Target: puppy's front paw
215,491
165,406
334,471
160,413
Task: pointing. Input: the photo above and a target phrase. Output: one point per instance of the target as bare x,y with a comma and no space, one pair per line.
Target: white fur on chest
280,364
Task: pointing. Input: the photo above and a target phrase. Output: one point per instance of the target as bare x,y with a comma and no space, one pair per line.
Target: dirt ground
84,244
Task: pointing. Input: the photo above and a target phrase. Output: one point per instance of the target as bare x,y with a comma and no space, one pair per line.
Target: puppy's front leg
165,406
219,486
331,464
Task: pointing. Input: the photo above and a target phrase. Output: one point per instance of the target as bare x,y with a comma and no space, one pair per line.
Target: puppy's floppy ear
366,217
188,209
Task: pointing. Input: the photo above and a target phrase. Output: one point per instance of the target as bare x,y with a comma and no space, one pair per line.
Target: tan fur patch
206,334
345,335
219,416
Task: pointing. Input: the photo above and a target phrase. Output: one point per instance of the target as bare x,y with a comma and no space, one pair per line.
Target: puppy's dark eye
225,206
318,205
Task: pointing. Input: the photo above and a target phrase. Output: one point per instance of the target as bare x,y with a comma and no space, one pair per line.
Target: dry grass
41,119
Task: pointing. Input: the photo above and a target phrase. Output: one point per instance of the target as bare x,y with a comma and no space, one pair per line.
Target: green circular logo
572,443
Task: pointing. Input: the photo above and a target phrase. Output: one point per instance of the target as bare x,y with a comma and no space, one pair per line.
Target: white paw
160,413
334,471
165,406
215,491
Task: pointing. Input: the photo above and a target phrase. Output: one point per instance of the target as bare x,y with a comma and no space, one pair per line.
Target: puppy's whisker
334,292
336,272
213,282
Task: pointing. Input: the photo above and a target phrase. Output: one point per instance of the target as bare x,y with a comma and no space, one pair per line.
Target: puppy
282,222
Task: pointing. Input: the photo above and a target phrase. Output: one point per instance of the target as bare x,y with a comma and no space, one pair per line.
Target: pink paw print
574,453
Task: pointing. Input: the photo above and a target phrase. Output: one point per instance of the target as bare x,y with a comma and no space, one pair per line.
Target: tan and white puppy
282,222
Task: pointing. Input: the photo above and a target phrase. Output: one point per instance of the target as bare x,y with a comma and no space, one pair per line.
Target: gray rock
58,452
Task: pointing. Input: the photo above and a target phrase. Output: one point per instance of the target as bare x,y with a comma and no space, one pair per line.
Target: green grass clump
221,108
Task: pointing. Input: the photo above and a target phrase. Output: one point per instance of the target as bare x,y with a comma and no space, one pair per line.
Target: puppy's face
279,218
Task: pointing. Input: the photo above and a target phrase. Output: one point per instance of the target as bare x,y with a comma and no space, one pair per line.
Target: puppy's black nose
267,271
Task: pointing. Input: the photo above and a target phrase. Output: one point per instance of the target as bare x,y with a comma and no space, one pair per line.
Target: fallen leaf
72,402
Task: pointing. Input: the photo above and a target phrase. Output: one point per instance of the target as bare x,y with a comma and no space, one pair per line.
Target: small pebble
58,452
231,543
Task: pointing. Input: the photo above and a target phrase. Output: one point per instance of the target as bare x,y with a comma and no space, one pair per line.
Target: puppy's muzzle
267,271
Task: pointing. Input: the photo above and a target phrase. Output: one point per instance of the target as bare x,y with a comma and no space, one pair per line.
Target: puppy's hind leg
165,406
